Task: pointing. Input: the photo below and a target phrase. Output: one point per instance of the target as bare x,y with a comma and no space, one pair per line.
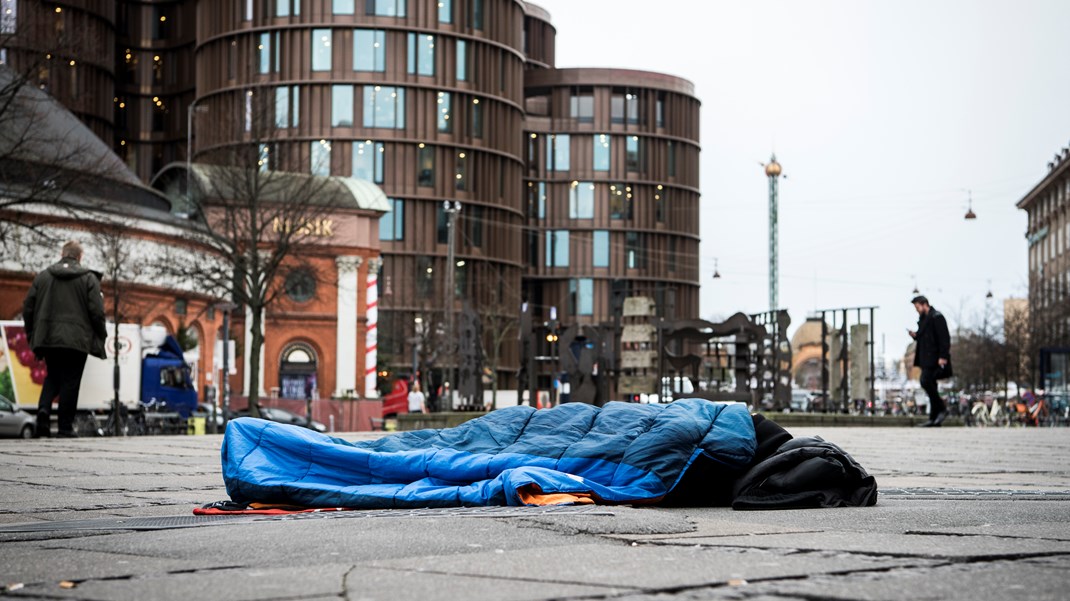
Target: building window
283,8
475,119
581,296
287,106
582,105
342,7
624,107
442,115
620,201
320,156
369,50
475,14
557,153
248,110
537,200
426,165
392,223
341,106
300,285
659,112
660,202
425,276
385,8
600,248
462,171
321,49
263,161
672,159
368,161
384,106
633,154
263,53
473,218
442,225
421,54
445,11
557,248
581,201
462,60
634,250
248,10
9,18
601,152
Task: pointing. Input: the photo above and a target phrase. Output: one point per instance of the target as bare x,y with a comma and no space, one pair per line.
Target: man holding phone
932,353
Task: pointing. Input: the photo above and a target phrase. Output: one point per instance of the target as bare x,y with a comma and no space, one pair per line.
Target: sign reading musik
321,228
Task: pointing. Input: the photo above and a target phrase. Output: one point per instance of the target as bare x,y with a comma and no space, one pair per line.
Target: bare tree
264,226
48,159
122,266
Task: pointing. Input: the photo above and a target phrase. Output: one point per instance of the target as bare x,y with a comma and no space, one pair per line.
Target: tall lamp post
451,209
772,171
193,106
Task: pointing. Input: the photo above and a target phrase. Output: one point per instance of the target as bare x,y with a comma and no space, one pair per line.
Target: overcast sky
882,113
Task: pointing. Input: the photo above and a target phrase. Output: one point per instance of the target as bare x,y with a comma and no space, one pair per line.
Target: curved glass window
601,152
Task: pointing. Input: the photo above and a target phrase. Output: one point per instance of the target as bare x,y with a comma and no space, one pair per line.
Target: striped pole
371,340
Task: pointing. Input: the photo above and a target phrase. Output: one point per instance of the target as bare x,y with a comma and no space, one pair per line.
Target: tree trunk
257,343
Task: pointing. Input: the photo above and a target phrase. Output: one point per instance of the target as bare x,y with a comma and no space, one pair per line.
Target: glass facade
462,60
321,49
421,56
461,171
385,8
557,248
342,7
600,248
392,223
581,200
384,106
426,165
341,106
320,157
601,152
633,154
581,296
368,161
557,153
442,115
445,11
620,201
369,50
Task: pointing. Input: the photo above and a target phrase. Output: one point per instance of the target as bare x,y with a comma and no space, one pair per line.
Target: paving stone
640,566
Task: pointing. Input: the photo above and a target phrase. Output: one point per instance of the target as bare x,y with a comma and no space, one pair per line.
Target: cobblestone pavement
964,513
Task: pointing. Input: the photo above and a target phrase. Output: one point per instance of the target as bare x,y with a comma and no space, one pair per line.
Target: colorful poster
21,374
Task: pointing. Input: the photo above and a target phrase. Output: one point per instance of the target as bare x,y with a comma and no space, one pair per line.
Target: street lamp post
193,106
451,209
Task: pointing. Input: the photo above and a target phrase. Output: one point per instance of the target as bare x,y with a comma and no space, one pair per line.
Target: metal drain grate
193,521
984,494
153,523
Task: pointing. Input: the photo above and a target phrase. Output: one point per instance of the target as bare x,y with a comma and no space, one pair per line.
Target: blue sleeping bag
620,453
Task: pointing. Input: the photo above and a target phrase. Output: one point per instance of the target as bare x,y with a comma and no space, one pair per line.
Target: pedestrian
932,353
417,400
64,317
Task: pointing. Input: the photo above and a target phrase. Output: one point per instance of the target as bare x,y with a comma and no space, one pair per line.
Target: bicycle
985,416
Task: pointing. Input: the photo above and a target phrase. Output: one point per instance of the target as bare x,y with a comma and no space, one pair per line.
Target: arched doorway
297,372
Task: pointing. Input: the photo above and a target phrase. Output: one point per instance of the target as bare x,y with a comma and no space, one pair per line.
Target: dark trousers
64,377
928,384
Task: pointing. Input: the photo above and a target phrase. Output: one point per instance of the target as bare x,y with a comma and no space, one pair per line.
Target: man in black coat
64,317
932,353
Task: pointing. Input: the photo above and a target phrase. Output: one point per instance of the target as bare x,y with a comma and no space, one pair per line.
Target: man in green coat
64,317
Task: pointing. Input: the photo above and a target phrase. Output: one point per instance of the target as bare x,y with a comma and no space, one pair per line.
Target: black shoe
67,435
939,419
927,424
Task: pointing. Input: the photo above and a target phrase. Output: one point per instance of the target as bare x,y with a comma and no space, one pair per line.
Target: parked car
800,400
15,422
285,417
